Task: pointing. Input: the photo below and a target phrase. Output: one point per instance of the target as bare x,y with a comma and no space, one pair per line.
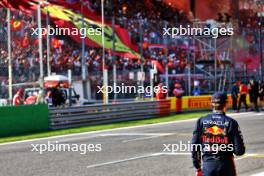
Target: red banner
209,9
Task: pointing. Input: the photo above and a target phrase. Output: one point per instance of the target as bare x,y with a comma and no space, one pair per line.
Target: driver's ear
225,107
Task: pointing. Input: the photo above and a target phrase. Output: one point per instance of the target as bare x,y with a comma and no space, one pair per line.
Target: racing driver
218,138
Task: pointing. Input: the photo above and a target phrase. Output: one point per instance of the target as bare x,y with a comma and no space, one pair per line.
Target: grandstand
184,59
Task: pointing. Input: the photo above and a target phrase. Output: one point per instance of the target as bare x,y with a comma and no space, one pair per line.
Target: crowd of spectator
65,54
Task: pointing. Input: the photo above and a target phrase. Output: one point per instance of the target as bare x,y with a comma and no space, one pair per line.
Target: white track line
114,134
142,138
135,158
116,129
157,154
120,161
258,174
247,155
156,136
136,134
241,157
174,153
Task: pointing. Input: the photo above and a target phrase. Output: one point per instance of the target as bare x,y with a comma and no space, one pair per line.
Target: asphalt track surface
132,151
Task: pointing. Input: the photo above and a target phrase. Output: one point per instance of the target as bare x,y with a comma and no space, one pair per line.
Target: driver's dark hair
218,107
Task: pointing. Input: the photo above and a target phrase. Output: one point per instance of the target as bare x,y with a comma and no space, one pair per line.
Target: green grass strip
174,117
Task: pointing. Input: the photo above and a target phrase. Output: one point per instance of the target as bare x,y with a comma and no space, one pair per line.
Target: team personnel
18,98
48,98
261,95
161,92
219,138
178,92
58,97
234,95
254,94
243,90
32,98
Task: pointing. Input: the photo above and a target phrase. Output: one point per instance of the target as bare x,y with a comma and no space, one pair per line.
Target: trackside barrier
164,107
16,120
193,103
99,114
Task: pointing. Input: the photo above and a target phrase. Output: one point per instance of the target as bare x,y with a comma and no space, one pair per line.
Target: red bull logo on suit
215,130
215,139
215,134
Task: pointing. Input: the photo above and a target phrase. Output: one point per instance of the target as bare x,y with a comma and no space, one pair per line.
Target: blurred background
193,61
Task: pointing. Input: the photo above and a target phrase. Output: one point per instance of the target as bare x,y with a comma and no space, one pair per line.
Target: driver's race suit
217,137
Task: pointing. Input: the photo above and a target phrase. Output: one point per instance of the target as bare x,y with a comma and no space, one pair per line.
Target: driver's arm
238,142
196,145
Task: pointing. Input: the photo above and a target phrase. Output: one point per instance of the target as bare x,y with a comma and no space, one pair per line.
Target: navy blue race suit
219,137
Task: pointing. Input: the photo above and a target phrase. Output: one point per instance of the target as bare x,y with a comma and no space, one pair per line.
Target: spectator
18,98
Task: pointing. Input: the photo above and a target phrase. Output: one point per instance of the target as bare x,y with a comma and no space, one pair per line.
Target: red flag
78,5
158,65
210,8
127,55
87,12
123,43
19,4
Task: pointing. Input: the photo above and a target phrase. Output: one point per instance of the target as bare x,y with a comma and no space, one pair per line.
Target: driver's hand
199,172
